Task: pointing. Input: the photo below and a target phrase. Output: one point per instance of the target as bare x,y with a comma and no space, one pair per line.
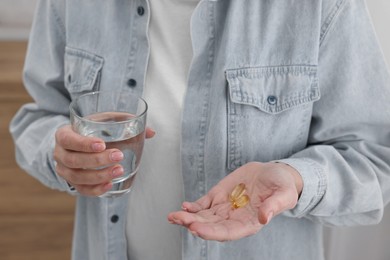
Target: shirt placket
134,79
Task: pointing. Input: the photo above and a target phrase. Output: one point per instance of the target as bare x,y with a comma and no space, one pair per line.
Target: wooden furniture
35,222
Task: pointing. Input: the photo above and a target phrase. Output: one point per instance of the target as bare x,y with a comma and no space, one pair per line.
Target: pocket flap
273,89
81,69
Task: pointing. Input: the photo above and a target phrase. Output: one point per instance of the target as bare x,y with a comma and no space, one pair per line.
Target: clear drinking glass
119,118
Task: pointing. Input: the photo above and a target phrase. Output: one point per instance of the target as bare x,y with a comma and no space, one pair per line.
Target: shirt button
132,83
114,218
272,100
140,10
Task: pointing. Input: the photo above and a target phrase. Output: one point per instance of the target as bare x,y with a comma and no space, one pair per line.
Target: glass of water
119,118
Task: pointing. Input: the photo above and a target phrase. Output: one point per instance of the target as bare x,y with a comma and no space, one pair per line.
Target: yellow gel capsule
237,192
240,202
237,197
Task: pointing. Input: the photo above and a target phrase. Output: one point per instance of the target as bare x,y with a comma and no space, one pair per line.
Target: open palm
270,187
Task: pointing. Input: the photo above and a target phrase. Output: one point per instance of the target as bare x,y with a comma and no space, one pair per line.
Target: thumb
276,204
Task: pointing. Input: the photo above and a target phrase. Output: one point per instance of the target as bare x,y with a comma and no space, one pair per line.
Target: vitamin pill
237,192
237,198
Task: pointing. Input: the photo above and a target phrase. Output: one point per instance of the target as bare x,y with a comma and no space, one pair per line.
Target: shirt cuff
314,185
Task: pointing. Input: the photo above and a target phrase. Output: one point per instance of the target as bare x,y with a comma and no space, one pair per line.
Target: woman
287,99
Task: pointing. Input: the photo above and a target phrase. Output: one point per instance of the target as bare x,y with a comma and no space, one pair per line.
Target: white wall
380,13
15,18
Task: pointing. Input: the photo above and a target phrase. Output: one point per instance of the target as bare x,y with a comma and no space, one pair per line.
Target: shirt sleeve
346,165
34,126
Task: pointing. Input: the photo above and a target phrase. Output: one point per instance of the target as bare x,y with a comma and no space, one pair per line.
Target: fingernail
194,233
116,156
177,221
270,215
98,147
117,171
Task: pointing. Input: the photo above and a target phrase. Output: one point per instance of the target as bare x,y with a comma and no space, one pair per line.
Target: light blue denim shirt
303,82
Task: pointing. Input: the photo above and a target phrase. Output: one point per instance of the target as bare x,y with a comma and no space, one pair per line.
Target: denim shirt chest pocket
269,112
82,71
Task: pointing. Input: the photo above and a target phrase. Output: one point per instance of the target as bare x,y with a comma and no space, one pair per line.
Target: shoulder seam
330,19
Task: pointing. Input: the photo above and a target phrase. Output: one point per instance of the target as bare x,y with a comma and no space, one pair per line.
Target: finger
182,218
224,230
275,204
149,132
215,214
89,176
201,204
185,218
83,160
92,190
70,140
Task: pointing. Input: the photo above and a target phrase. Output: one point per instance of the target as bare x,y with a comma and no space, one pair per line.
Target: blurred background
36,223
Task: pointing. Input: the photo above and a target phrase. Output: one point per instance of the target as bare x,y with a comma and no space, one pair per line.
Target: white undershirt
158,188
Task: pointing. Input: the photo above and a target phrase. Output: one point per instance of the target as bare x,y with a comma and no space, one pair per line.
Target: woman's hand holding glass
81,161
